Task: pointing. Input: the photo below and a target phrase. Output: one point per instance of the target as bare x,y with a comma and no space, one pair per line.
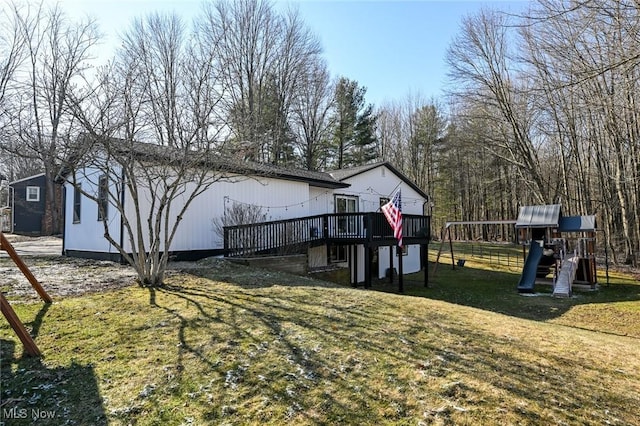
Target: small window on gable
103,197
384,200
77,197
33,193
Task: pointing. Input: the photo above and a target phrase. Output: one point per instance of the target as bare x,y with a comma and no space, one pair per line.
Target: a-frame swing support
18,327
446,229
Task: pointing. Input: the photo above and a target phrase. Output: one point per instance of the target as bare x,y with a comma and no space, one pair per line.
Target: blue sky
393,48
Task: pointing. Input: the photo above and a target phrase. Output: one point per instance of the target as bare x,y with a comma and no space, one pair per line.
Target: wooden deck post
355,265
367,266
390,264
400,272
425,255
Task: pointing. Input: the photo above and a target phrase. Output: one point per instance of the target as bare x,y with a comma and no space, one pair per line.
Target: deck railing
296,235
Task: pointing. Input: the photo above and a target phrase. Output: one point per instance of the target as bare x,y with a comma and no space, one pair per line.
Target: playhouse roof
577,224
544,216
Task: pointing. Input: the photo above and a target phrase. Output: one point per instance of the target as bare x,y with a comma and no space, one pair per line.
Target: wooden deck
297,235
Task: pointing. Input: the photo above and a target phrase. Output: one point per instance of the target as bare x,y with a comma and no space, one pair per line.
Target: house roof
543,216
319,179
26,179
218,162
344,174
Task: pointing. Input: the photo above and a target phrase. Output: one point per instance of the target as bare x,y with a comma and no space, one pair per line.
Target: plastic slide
566,276
528,277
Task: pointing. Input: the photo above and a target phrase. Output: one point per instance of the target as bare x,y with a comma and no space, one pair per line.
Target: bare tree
262,58
410,132
479,61
12,53
56,52
311,116
585,58
560,118
163,89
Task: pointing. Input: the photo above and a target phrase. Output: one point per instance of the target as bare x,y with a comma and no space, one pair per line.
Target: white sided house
333,217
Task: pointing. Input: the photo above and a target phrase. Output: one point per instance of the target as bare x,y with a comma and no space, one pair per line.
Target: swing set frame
18,327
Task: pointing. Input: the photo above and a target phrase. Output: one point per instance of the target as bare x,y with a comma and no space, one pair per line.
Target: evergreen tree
354,135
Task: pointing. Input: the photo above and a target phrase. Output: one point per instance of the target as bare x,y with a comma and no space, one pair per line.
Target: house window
33,193
77,196
337,254
384,200
103,197
344,204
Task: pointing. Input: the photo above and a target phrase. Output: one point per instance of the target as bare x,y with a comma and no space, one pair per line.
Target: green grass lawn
232,345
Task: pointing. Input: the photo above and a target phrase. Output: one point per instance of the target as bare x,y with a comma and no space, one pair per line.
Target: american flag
393,212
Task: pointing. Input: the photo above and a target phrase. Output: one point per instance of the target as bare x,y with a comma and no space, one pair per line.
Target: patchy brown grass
230,344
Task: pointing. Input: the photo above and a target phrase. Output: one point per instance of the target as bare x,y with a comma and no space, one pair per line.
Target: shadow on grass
33,393
494,291
497,292
233,313
341,354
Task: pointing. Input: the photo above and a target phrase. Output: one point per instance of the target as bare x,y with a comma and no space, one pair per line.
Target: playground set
18,327
562,247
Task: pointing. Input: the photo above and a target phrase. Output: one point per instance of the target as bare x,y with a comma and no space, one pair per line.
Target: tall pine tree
354,136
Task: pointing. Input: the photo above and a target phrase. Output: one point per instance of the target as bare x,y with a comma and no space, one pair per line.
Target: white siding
369,187
321,201
378,183
410,262
278,198
88,234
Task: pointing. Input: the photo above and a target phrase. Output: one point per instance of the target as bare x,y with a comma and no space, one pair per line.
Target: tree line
546,111
541,106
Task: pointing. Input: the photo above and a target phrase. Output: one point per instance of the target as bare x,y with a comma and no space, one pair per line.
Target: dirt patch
64,276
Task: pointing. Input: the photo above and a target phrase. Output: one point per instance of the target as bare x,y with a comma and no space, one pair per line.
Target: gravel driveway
34,246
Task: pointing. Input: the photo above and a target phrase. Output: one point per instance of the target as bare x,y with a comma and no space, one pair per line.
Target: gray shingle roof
212,160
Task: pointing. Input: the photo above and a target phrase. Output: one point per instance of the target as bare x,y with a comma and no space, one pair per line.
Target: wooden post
453,263
400,273
435,265
6,246
391,264
8,312
350,265
367,266
355,264
24,336
426,264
